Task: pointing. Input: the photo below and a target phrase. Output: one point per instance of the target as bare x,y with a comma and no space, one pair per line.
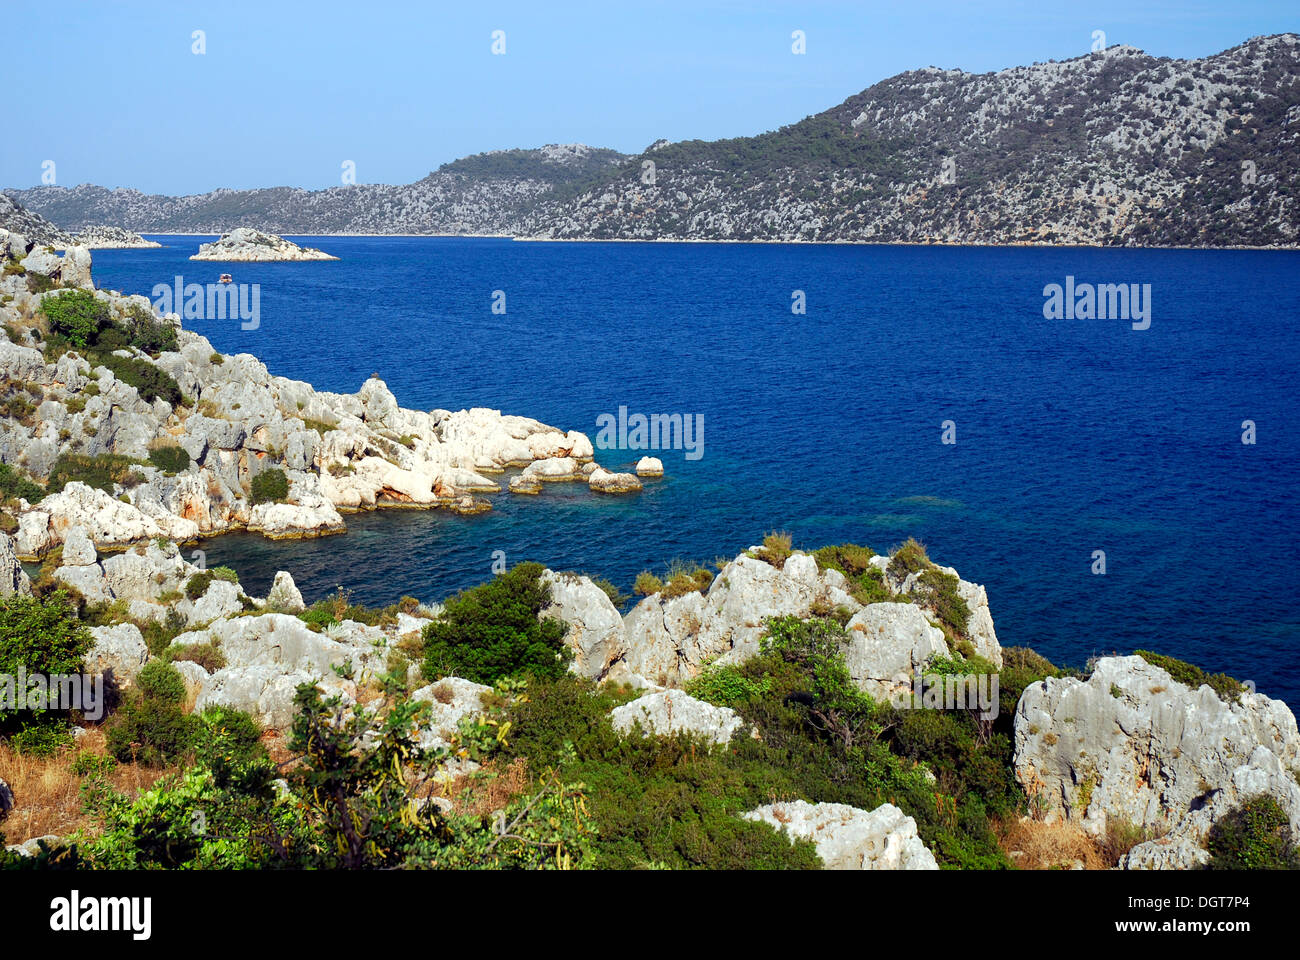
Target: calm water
1072,436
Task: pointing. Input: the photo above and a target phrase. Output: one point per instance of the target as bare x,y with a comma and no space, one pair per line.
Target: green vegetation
681,578
908,559
14,485
77,316
79,320
866,582
1253,836
170,459
269,486
198,583
1228,688
40,636
491,631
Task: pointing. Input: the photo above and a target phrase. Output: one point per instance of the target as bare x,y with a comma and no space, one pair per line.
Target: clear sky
286,92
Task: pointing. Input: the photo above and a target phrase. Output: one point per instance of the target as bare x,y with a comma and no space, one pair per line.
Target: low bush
1253,836
161,681
77,316
269,486
40,635
170,459
102,471
492,631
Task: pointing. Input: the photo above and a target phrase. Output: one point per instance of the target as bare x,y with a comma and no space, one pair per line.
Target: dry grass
488,789
47,793
1049,846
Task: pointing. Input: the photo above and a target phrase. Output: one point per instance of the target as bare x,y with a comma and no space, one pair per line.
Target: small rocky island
247,245
103,237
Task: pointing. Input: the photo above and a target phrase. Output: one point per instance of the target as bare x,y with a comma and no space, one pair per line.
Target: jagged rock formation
1133,745
1116,147
664,642
101,237
246,245
848,838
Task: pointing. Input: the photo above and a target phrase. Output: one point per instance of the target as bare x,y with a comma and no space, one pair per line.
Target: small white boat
226,278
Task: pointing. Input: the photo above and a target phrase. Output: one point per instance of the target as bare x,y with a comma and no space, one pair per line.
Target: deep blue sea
1072,435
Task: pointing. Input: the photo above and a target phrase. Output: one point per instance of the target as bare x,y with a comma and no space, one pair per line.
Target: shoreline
792,243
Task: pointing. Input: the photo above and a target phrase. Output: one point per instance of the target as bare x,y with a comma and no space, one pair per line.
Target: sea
1114,482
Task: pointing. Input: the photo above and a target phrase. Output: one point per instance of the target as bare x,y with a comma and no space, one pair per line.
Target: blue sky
285,93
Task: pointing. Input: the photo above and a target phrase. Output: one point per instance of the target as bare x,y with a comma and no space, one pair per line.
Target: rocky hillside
1116,147
475,195
32,226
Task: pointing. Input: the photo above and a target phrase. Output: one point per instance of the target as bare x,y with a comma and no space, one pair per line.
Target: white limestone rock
849,838
672,711
244,244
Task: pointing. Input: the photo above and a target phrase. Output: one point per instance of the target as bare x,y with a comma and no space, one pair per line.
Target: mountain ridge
1114,147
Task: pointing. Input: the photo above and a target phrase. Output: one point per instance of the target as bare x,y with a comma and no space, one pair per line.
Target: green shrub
170,459
776,549
727,686
150,381
1228,688
850,559
491,631
207,655
14,485
150,730
40,635
198,583
269,486
908,559
158,634
161,681
101,471
646,584
76,316
146,332
1253,836
938,591
43,738
230,734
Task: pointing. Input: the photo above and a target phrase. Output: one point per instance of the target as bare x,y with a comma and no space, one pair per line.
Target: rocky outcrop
669,640
649,467
668,712
338,452
101,237
244,245
13,579
120,650
284,596
1133,745
889,643
848,838
595,635
450,700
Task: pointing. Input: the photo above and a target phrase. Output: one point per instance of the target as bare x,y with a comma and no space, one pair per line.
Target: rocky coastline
184,464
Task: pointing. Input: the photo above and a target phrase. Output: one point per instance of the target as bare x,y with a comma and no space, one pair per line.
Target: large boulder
1133,745
264,690
450,700
595,633
284,596
888,644
849,838
672,711
118,649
